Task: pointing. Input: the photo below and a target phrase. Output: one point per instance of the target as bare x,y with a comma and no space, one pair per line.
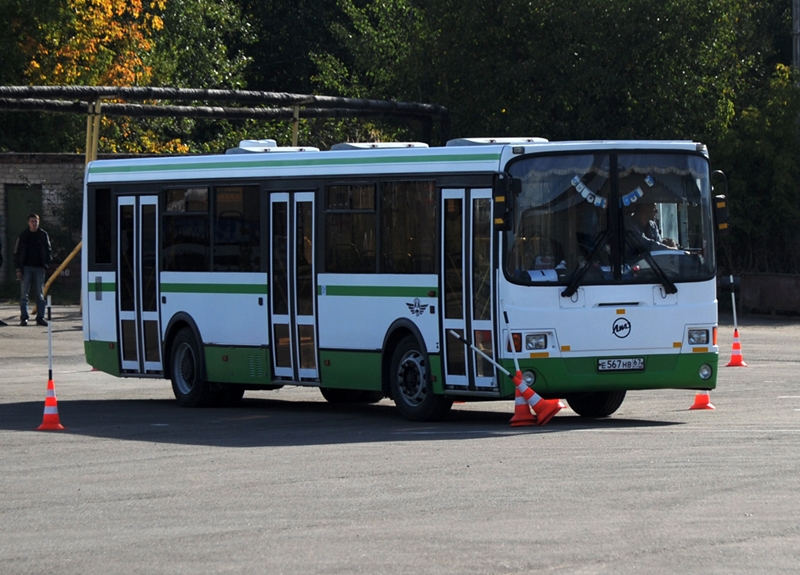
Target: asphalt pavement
287,483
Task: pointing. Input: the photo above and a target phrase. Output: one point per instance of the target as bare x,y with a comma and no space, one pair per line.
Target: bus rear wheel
595,403
186,372
410,382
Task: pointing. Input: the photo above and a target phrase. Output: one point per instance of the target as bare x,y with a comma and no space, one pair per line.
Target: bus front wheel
410,381
595,403
186,372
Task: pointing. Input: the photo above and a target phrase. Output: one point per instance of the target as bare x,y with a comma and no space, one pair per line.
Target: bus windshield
611,218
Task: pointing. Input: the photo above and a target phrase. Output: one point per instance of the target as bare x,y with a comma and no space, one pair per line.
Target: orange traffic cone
50,420
701,401
737,360
522,413
545,409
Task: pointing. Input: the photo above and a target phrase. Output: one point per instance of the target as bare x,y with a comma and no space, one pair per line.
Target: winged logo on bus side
417,308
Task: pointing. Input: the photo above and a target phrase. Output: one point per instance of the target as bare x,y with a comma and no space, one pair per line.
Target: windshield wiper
602,240
633,241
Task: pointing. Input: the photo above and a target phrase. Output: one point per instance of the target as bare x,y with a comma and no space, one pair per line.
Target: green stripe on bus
298,162
350,369
377,291
558,376
257,289
104,287
103,356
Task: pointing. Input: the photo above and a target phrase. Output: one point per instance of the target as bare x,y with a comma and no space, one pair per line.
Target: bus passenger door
291,286
137,276
467,290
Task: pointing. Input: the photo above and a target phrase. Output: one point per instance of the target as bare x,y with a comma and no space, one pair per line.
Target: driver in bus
642,221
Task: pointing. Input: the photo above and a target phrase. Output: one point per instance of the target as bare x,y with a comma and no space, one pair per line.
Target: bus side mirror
504,194
721,215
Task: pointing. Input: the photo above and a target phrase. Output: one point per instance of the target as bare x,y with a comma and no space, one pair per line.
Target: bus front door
291,290
137,276
467,290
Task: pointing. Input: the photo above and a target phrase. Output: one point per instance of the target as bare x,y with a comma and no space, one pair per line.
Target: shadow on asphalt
260,422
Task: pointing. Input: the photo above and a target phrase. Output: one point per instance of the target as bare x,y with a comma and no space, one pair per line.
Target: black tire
595,403
187,372
410,382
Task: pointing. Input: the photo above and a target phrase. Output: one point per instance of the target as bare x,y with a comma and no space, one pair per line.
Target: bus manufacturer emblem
416,308
621,328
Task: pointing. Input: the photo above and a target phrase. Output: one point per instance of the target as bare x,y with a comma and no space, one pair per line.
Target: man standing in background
32,255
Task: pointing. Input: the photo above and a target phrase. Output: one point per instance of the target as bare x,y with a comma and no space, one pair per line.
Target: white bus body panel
360,322
100,308
583,326
305,164
223,318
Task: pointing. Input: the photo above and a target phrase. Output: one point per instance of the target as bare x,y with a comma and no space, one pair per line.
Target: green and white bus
348,269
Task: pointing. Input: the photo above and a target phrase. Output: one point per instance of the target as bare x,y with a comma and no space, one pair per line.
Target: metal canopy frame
89,100
263,105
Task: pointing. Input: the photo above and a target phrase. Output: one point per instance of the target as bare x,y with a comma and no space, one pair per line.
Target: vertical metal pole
295,125
733,301
89,127
96,117
796,34
49,339
93,129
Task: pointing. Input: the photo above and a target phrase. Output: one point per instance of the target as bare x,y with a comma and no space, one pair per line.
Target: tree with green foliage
760,154
288,32
23,23
591,69
194,48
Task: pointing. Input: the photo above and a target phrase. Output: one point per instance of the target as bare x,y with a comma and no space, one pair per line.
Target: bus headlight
535,341
529,378
705,371
698,337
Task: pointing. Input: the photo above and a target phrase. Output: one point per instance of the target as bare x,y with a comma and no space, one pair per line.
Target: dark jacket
32,249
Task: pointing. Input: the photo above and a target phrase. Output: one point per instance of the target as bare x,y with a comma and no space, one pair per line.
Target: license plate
621,364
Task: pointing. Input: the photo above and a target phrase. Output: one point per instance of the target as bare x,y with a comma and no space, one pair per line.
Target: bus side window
408,227
186,230
350,229
102,218
237,241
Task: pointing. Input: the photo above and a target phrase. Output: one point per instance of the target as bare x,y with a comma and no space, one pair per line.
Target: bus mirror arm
633,241
506,190
721,214
602,240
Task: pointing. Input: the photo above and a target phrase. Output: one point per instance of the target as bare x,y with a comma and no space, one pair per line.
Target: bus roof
474,155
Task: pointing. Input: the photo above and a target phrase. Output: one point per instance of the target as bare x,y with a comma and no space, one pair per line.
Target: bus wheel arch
409,378
400,329
185,364
178,322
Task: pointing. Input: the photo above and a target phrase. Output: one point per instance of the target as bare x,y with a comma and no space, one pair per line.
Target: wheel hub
411,378
186,368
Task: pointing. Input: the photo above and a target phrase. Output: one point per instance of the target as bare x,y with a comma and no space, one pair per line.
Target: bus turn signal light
517,337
